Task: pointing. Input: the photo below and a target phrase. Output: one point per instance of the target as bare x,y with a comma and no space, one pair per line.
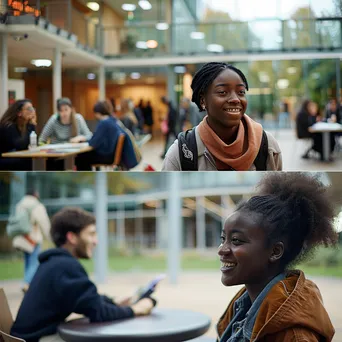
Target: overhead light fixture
41,63
118,76
91,76
215,48
292,70
145,5
141,45
135,75
283,83
94,6
180,69
197,35
20,69
162,26
152,44
128,7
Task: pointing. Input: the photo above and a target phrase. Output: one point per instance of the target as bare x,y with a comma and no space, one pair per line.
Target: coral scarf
240,154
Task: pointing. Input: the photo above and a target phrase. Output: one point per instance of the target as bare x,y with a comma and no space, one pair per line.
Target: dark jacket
303,122
60,287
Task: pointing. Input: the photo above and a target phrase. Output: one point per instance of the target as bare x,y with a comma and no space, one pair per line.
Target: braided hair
205,77
294,207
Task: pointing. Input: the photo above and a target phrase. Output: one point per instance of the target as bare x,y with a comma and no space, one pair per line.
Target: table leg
69,163
326,146
38,164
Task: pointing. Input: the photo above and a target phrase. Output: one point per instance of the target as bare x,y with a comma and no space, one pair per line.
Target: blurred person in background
65,126
227,139
169,123
16,125
128,116
191,115
332,113
104,141
30,244
287,219
139,112
149,116
61,285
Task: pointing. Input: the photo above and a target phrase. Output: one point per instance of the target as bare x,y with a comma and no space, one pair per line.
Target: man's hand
124,302
143,307
78,139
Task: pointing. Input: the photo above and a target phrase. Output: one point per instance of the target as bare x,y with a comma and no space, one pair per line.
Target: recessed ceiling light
152,44
215,48
20,69
180,69
292,70
135,75
128,7
141,45
197,35
145,5
91,76
283,83
41,62
162,26
94,6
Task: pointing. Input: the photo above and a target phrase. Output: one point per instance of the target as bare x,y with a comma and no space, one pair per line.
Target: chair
117,157
6,319
8,338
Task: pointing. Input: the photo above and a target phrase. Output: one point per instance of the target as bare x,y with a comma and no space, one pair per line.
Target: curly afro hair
296,208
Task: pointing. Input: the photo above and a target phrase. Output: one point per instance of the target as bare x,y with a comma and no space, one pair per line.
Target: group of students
307,116
20,120
287,218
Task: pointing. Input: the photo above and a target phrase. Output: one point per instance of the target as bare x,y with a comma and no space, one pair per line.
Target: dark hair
295,207
11,115
206,75
64,101
103,107
31,191
69,220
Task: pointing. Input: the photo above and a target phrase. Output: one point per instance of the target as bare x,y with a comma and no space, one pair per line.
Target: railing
245,37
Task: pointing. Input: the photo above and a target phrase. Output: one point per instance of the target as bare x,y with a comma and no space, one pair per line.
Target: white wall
18,86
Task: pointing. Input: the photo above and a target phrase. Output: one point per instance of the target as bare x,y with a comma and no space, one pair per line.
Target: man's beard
81,250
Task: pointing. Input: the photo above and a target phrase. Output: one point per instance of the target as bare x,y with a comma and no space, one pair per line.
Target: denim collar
254,309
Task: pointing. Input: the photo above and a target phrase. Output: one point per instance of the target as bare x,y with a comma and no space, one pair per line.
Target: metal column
200,224
102,83
174,226
3,73
101,213
57,76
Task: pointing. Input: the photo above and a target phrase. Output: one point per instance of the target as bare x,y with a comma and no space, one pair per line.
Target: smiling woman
281,225
227,139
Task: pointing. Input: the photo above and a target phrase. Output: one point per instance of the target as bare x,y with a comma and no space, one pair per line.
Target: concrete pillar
101,214
3,73
200,224
17,188
338,80
161,228
171,82
102,83
57,76
174,211
120,227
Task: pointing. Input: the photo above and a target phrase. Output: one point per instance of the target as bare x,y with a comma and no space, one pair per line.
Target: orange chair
117,157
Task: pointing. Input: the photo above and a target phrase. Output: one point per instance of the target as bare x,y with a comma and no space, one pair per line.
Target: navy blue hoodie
60,287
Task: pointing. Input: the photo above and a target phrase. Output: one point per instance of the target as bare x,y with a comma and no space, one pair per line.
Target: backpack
188,153
20,222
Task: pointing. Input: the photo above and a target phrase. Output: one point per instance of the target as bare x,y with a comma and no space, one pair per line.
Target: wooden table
167,325
39,156
325,128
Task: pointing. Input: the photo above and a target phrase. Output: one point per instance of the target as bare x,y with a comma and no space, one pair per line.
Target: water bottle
33,140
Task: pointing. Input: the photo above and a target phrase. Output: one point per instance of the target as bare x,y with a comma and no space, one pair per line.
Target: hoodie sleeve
79,295
42,219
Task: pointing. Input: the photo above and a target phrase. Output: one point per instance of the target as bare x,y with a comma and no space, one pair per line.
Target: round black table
167,325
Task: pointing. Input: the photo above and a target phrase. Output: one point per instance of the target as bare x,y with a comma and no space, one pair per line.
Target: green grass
14,268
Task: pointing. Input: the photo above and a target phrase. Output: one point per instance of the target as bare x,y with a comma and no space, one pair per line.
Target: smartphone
146,291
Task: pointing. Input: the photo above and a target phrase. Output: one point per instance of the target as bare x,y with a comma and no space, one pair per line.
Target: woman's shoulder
79,116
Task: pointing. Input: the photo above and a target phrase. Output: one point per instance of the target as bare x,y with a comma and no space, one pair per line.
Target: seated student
65,126
61,285
287,219
105,139
16,125
227,139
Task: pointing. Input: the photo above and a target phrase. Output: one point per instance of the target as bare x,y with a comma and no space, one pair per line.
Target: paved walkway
197,291
291,148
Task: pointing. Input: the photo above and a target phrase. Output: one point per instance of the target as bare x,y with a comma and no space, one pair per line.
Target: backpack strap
188,153
260,161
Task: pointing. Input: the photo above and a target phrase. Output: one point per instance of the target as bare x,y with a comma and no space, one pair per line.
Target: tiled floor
291,148
197,291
